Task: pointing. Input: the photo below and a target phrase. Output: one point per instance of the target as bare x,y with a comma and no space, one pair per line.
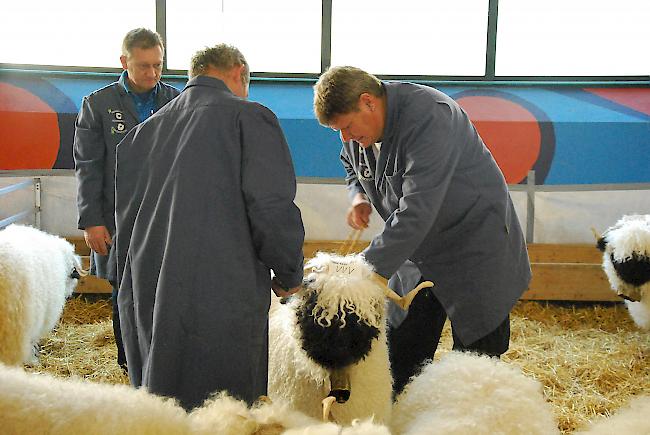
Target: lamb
626,262
330,340
38,271
42,404
464,393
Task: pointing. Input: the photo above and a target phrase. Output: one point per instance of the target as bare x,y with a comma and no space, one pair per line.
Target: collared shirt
145,103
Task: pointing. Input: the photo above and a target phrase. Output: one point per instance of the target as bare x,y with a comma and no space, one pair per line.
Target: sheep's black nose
75,274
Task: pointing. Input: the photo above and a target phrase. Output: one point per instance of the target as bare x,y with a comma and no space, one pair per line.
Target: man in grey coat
205,210
105,117
413,153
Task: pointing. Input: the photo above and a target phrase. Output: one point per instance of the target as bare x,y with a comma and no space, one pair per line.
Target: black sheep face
345,341
634,270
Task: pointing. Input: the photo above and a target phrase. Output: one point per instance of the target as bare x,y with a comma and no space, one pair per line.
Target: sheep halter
350,242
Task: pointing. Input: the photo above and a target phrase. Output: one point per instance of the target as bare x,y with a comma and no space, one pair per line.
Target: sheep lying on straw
41,404
465,393
626,261
631,420
330,340
38,271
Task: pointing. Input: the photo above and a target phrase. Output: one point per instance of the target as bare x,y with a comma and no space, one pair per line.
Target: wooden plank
570,272
92,284
569,282
564,253
310,247
79,245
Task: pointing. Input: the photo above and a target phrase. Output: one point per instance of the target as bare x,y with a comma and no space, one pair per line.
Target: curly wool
340,294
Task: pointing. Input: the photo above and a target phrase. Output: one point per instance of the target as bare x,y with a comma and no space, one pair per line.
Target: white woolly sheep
33,403
626,262
42,404
37,274
630,420
331,336
465,393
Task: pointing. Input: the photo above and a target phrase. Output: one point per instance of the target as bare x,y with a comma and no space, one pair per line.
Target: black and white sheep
38,271
626,262
330,340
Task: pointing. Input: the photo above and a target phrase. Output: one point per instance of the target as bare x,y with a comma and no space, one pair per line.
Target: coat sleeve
431,155
351,179
269,189
89,151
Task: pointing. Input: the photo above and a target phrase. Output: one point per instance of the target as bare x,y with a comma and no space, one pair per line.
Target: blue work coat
446,207
204,209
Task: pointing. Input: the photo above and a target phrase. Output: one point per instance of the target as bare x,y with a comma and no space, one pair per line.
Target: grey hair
141,38
222,57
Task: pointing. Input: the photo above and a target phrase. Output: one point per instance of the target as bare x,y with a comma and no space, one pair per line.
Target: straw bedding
591,359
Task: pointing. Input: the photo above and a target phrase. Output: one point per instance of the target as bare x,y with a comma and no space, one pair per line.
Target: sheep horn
327,407
402,301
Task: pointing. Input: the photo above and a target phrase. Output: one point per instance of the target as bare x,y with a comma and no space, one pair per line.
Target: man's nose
345,136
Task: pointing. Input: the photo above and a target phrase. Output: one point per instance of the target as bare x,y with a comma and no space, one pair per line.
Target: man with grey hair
205,210
105,117
412,152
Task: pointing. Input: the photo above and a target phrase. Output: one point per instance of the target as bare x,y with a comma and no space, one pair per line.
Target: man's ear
366,100
123,61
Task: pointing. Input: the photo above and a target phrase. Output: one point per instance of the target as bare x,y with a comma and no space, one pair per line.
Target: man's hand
359,215
98,239
280,291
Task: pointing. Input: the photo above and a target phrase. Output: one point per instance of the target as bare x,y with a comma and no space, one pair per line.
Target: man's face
364,125
144,67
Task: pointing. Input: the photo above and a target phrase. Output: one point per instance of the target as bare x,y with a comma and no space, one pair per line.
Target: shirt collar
125,84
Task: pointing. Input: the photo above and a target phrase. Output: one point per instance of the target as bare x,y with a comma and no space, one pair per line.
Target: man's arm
431,157
358,215
269,187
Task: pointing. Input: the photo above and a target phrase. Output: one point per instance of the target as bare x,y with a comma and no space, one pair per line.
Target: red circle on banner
29,129
509,130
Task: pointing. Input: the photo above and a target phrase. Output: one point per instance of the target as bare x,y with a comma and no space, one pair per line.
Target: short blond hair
338,89
222,57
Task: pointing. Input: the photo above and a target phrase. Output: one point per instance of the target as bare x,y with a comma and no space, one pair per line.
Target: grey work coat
446,206
105,117
204,209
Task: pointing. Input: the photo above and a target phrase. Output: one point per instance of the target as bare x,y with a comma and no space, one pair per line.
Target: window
573,38
274,36
411,37
73,32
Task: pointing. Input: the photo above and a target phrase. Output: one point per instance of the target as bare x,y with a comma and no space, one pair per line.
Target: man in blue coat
413,153
105,117
205,210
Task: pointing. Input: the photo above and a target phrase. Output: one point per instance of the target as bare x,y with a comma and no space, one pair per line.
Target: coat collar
207,81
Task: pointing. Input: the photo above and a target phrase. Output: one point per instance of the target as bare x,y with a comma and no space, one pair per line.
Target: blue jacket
105,117
205,208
